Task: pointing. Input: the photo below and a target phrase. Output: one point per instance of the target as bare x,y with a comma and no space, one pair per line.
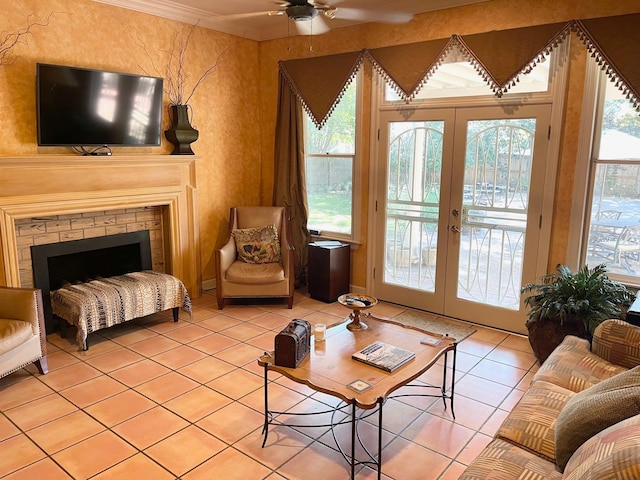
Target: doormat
434,324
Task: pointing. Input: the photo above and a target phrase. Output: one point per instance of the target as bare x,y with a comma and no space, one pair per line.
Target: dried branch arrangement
176,75
9,40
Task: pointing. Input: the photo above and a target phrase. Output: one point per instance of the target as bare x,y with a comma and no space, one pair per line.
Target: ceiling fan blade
372,16
240,16
318,4
317,26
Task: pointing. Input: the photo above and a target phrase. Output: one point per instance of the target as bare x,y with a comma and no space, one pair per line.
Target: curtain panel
500,57
289,184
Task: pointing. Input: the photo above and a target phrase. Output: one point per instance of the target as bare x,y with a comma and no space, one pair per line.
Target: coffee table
330,369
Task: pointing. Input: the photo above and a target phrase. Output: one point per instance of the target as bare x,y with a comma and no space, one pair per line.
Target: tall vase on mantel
181,134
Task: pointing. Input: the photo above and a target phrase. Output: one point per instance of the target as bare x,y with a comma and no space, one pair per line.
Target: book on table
384,356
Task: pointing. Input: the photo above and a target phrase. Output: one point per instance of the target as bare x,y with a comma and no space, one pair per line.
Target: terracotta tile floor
161,400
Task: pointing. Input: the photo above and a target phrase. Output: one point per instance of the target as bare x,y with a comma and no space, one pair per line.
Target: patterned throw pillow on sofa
258,245
612,453
594,409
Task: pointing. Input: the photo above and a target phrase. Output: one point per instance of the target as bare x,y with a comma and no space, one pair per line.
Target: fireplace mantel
45,185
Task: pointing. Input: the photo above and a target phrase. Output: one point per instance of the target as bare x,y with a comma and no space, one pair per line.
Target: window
331,166
612,227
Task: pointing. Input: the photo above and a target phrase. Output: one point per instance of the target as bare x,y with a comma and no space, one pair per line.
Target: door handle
455,229
455,212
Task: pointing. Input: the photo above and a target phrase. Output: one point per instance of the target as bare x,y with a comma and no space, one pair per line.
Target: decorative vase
181,134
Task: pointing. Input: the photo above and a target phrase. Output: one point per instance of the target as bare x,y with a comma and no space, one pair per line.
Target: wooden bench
105,302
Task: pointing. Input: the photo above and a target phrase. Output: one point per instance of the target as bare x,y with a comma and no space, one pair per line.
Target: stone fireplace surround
47,185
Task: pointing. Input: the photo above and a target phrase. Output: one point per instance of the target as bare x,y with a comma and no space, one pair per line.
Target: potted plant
571,303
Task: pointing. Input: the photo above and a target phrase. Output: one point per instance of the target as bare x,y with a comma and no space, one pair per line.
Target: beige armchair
22,332
264,273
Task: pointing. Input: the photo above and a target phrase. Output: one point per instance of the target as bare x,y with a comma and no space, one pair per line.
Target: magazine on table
384,356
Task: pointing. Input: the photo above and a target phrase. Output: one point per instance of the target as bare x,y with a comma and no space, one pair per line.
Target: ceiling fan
303,12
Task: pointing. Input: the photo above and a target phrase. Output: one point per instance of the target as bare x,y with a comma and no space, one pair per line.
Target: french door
458,210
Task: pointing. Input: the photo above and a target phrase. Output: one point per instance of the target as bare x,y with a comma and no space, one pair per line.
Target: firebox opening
57,264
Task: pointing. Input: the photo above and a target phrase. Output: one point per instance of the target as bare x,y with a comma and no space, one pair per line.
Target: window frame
356,171
584,183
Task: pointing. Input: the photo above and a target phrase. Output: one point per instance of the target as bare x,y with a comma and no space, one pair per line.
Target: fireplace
44,186
57,264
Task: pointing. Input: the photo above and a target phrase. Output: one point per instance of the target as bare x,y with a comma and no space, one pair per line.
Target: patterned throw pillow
258,245
594,409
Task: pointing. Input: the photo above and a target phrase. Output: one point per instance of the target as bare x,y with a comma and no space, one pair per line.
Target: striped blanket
105,302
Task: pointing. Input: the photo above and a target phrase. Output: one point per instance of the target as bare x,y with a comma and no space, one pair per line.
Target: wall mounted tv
79,107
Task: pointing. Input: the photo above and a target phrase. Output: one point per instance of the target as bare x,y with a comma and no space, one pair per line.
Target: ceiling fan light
301,13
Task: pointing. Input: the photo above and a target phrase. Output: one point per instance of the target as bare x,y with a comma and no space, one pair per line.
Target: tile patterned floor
162,400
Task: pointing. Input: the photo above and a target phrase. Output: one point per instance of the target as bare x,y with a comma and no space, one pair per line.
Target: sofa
580,417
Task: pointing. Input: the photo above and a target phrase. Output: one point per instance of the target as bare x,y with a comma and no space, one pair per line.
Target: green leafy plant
588,294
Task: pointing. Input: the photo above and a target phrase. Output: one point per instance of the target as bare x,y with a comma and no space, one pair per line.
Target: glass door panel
497,177
412,198
413,204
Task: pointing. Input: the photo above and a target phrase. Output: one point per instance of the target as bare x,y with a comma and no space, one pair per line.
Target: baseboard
209,284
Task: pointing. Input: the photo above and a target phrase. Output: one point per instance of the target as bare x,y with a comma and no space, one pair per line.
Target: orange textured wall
93,35
478,18
235,109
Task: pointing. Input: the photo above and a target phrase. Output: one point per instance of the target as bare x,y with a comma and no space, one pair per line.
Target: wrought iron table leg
265,428
353,441
381,403
453,377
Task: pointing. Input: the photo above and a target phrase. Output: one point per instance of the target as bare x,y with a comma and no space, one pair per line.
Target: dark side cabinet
329,267
633,314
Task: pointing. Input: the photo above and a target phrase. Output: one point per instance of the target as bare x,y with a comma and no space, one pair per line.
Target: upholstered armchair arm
617,342
226,255
22,304
286,248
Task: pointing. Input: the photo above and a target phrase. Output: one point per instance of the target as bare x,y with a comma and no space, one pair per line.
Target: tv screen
81,107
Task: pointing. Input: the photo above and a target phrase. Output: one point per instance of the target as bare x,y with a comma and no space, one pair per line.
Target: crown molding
184,13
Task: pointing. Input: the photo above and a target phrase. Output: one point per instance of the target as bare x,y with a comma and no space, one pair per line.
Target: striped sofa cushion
502,460
612,453
617,342
574,367
531,423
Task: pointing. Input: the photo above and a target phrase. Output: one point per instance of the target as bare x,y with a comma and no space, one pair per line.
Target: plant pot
181,134
545,334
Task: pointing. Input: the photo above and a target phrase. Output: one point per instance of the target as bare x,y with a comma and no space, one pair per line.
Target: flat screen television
79,107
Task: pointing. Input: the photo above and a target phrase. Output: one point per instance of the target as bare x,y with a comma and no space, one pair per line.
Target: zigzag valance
319,82
500,57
